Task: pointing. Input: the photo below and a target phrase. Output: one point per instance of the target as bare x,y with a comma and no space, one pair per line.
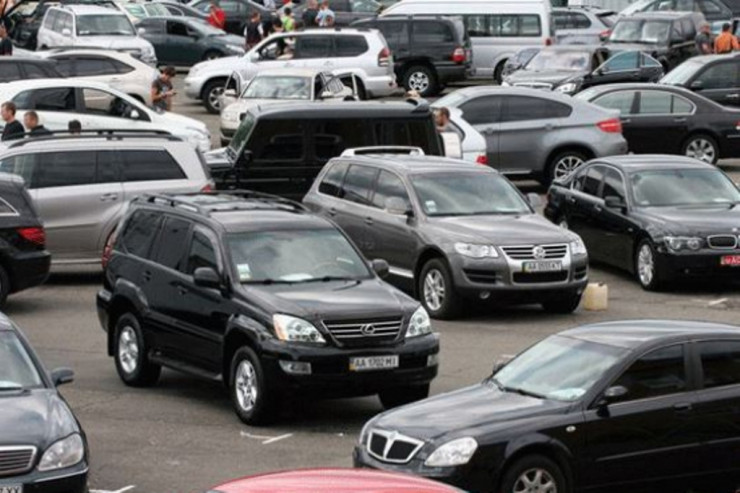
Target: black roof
404,163
641,162
344,109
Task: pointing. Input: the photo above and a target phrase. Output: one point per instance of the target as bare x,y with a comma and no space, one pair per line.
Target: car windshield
575,60
468,194
677,187
296,255
640,31
681,74
135,9
278,87
104,25
17,370
559,368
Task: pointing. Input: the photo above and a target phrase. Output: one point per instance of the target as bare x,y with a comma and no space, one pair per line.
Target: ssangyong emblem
367,329
539,252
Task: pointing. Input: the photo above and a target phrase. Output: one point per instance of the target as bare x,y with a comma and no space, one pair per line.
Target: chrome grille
355,332
16,460
392,447
722,242
534,85
536,252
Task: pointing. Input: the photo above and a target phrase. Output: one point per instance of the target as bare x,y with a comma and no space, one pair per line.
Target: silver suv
81,185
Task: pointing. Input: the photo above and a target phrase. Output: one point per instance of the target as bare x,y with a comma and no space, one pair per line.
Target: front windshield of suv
104,25
296,255
559,368
559,60
17,370
467,194
278,87
677,187
681,74
640,31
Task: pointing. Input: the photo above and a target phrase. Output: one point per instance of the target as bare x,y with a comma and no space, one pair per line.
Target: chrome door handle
683,407
109,197
679,120
183,291
369,220
332,211
598,208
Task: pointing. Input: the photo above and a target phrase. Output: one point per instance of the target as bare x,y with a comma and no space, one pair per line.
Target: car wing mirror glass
380,267
615,392
613,202
697,84
534,200
61,376
397,206
206,277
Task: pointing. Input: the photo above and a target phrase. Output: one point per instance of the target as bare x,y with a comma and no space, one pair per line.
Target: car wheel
563,303
437,291
253,402
498,72
702,147
421,79
4,285
212,55
564,163
131,354
646,267
211,92
398,396
534,473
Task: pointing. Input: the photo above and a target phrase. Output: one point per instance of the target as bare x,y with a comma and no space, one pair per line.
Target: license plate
730,261
11,489
372,363
546,266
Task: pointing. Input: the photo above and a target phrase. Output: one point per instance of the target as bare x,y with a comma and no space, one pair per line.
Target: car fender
501,57
125,290
538,443
241,330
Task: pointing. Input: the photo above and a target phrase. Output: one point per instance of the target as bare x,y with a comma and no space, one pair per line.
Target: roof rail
262,197
159,199
89,134
361,151
207,209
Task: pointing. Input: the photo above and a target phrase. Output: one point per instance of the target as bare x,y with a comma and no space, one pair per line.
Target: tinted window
334,136
358,183
33,71
313,47
121,67
22,166
592,180
720,76
150,166
389,186
66,66
613,185
202,253
278,140
230,6
520,108
177,28
64,169
662,103
139,234
350,45
620,100
340,5
659,372
153,27
172,242
107,169
623,61
432,32
52,99
720,361
417,132
332,182
503,25
9,72
94,66
579,21
395,33
482,110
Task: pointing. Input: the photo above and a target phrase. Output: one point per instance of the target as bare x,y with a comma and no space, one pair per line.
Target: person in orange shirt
726,42
217,18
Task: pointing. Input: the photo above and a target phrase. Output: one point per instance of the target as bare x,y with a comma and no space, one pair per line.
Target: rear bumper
70,480
451,73
380,87
28,269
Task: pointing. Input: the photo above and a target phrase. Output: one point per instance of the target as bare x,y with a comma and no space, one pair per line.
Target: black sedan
622,406
662,218
713,76
42,446
671,120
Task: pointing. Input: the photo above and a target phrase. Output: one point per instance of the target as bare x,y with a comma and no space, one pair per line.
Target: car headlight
230,115
567,88
577,247
473,250
678,243
63,453
293,329
454,453
419,325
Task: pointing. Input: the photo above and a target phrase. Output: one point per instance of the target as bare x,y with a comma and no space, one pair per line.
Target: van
497,29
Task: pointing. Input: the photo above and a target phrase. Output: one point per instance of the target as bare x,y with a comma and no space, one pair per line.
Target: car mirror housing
141,31
397,206
206,277
134,114
61,376
66,32
697,84
615,392
612,202
380,267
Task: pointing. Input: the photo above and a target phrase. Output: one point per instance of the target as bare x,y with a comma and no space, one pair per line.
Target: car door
622,67
275,54
155,33
719,81
353,217
660,124
581,206
650,432
181,44
613,224
484,114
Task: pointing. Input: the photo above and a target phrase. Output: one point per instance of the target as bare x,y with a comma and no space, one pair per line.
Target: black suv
24,261
428,51
254,291
716,77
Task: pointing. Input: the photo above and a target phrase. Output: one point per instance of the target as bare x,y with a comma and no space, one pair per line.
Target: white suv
362,52
93,26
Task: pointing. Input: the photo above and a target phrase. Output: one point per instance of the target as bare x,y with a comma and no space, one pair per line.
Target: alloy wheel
535,481
419,81
566,165
128,349
701,149
213,97
246,385
645,265
434,289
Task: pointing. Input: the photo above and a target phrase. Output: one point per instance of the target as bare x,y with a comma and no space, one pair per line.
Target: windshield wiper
268,281
12,388
524,392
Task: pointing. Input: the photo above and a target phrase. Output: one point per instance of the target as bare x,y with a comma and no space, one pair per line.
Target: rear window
432,32
139,234
152,165
608,18
350,45
332,182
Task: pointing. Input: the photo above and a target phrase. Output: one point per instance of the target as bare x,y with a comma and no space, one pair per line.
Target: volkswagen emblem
367,329
538,252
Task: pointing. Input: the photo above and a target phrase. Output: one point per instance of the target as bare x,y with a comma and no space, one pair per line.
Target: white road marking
718,302
122,490
276,439
266,440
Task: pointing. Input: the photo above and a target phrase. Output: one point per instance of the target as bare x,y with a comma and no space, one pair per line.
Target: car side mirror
206,277
66,32
141,31
60,376
612,202
397,207
614,393
534,200
380,267
697,84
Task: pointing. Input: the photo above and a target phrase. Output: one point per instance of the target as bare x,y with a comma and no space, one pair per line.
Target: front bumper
70,480
194,86
701,264
28,269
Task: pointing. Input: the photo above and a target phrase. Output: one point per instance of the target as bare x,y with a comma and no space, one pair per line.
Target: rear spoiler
361,151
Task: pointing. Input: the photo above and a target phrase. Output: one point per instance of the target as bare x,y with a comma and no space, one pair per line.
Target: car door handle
571,200
680,120
182,290
332,211
683,407
147,276
369,220
598,208
109,197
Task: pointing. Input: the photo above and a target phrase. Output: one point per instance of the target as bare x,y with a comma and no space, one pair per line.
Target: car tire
498,72
422,79
564,163
361,92
4,285
534,470
646,267
131,354
701,147
211,91
253,402
563,303
212,55
399,396
436,290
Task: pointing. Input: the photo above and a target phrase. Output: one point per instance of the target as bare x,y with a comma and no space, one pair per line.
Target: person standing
6,46
13,128
704,40
217,17
162,91
726,42
35,129
254,32
442,120
287,20
309,15
325,17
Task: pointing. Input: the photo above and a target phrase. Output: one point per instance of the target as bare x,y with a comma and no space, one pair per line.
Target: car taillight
384,57
737,126
108,249
208,187
458,56
604,35
34,235
611,126
548,41
482,159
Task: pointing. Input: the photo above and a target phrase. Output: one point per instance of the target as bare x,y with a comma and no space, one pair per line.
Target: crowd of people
31,124
725,42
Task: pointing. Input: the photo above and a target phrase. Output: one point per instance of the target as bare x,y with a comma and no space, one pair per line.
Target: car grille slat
368,331
527,252
392,447
16,460
722,242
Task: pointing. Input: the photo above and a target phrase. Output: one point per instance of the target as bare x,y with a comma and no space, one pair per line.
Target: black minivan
280,149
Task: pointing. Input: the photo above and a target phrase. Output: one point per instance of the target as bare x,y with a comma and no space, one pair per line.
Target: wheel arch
119,305
425,256
709,133
207,83
568,146
543,446
241,331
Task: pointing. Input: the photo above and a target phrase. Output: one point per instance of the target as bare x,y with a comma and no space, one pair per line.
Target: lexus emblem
367,329
539,252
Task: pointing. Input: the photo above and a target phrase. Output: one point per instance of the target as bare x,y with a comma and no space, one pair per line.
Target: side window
618,100
479,26
52,99
396,33
613,185
648,61
365,6
340,5
172,243
280,141
9,72
580,21
49,19
67,22
141,229
350,45
720,76
332,182
358,183
153,26
432,32
120,67
663,103
389,186
97,102
561,20
177,28
313,47
59,22
107,168
152,165
660,372
202,253
231,6
681,106
66,66
65,169
592,180
482,110
720,361
332,137
33,71
623,62
94,66
522,108
22,165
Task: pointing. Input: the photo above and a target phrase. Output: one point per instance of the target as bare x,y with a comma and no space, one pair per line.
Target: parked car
142,10
281,148
716,12
497,30
473,144
662,218
671,120
572,68
451,230
428,51
81,184
95,26
304,311
537,133
582,24
520,60
346,12
332,481
639,393
23,20
716,77
178,9
13,68
97,106
43,446
184,42
666,36
237,12
24,260
119,70
362,52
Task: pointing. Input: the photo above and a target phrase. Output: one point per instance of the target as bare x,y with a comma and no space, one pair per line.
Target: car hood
694,221
503,229
460,412
38,417
229,39
225,65
114,42
181,121
554,77
242,105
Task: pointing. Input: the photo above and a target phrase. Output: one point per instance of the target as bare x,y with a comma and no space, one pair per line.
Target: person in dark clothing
35,129
253,32
162,91
309,15
13,128
6,46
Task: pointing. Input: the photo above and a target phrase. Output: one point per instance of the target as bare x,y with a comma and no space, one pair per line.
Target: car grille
722,242
540,277
534,85
16,460
362,332
392,447
536,252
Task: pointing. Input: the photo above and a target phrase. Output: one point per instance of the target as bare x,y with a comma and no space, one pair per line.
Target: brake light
108,249
604,35
737,126
34,235
458,56
384,57
548,41
208,187
611,126
482,159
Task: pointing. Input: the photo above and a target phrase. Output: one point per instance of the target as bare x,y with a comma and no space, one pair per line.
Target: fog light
433,359
484,295
296,367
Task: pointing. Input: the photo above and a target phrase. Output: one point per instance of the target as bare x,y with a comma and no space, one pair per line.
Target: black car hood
554,77
39,417
501,229
709,219
481,406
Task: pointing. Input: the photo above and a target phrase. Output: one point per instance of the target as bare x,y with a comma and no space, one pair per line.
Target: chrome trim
19,470
733,247
556,251
63,476
391,438
366,329
397,271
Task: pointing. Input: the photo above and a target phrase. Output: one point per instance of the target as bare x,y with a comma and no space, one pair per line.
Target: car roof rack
112,134
363,151
206,208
